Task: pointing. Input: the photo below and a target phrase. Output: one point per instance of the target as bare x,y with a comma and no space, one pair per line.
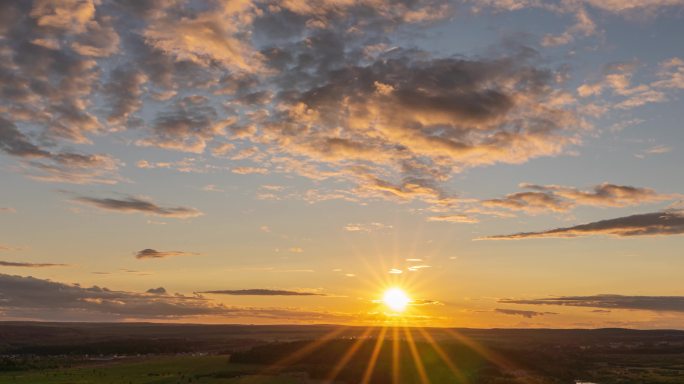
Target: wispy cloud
132,204
559,198
366,227
454,218
30,265
525,314
261,292
647,303
648,224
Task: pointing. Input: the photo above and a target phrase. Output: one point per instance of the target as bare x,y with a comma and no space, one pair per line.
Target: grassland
155,370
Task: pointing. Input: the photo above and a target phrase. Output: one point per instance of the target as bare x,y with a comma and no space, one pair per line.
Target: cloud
32,298
250,170
647,224
424,302
138,205
582,11
646,303
531,202
315,87
429,110
123,91
7,210
584,26
216,36
149,253
366,227
655,150
29,265
261,292
525,314
67,167
188,126
157,291
415,268
558,198
454,218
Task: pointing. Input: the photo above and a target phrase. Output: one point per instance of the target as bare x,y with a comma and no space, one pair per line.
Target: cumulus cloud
315,86
132,204
319,88
647,224
45,165
646,303
149,253
261,292
28,265
525,314
584,25
214,36
188,126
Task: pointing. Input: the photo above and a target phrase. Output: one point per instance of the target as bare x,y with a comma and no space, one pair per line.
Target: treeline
110,347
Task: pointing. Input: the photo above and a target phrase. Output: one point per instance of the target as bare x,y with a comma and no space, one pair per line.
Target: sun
396,299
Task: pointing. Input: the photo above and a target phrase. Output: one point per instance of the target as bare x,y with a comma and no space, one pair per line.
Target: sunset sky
506,163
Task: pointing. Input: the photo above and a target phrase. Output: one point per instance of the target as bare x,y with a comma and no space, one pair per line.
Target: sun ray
396,353
348,355
416,356
374,356
491,356
304,351
443,355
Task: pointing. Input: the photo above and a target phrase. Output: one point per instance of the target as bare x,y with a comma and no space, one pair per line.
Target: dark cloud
154,254
604,195
157,291
15,143
608,302
558,198
647,224
525,314
530,202
124,90
46,165
261,292
138,205
29,265
29,297
187,127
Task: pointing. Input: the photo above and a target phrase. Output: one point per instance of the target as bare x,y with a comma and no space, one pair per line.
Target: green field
157,370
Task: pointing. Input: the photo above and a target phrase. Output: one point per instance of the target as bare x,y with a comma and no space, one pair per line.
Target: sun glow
396,299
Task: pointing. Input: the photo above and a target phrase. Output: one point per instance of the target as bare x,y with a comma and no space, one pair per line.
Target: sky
506,163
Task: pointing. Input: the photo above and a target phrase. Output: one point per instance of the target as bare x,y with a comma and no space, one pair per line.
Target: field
151,370
75,353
